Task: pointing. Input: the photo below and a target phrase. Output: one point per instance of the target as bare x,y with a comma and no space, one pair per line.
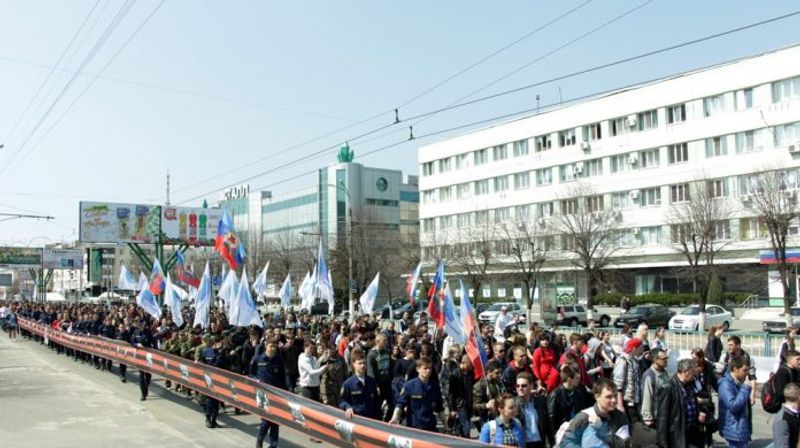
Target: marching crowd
543,388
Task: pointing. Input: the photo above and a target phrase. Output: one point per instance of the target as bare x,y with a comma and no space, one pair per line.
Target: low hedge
667,299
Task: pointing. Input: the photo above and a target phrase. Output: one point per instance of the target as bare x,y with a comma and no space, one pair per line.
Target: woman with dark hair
705,383
714,346
786,344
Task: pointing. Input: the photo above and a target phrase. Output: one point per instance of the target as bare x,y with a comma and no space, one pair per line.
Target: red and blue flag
474,345
436,297
157,282
227,243
184,275
411,287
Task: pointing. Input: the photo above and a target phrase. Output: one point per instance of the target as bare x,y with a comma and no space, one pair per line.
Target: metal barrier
265,401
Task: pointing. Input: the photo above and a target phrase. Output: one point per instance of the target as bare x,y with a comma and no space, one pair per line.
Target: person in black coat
529,402
679,416
714,346
123,334
268,368
214,356
142,338
567,399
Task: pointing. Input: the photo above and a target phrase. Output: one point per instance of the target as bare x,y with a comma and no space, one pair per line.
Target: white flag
367,299
144,283
286,292
306,292
260,285
203,301
173,300
147,301
126,279
246,313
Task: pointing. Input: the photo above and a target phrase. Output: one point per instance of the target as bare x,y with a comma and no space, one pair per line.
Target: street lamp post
351,302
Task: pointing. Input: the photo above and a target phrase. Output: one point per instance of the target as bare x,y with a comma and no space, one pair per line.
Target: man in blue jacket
268,367
360,392
735,404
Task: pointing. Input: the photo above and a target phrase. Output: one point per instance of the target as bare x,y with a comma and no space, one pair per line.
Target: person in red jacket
574,354
544,364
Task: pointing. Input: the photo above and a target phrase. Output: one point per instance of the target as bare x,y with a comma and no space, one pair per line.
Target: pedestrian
214,356
714,346
268,368
11,324
142,338
420,399
503,320
519,364
486,391
627,378
659,340
459,397
379,367
359,395
735,403
600,425
735,349
786,344
788,372
333,378
310,371
574,354
786,425
705,386
544,364
652,379
505,430
532,412
679,417
567,400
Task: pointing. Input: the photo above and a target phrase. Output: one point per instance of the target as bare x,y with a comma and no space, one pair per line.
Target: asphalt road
51,400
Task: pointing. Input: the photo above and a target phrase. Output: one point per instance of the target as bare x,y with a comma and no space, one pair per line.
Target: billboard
6,280
105,222
20,257
62,259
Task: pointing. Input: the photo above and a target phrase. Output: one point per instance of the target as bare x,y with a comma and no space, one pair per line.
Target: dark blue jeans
211,408
462,423
273,428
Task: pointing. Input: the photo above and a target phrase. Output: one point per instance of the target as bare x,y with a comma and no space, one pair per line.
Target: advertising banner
20,257
265,401
63,259
104,222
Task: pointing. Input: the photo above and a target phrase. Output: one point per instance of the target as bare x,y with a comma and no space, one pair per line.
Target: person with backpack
735,404
505,430
786,425
772,391
601,424
567,400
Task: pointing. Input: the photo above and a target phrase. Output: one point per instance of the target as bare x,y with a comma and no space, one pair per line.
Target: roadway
51,400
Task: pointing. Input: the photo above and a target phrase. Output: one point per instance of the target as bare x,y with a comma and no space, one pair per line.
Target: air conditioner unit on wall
634,194
795,148
746,198
631,120
541,221
586,146
635,230
633,159
579,168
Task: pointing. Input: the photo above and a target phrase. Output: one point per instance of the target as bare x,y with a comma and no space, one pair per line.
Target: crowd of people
540,388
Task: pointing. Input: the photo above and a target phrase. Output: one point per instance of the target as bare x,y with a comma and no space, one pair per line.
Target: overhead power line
508,92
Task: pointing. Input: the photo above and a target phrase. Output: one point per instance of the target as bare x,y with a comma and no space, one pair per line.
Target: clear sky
209,87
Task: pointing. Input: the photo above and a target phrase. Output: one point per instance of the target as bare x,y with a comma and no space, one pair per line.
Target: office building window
650,197
786,90
500,184
522,213
722,230
746,142
618,126
593,167
464,220
744,99
620,200
714,105
545,209
481,157
445,222
500,152
520,148
647,120
463,191
427,168
481,187
502,214
716,146
482,217
787,134
445,194
543,143
428,225
444,165
594,204
650,236
569,206
428,196
544,176
619,163
462,161
678,153
752,228
676,113
749,184
567,173
592,132
566,138
680,233
679,193
650,158
717,188
522,181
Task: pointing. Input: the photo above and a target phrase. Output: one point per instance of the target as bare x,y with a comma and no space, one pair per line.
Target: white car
490,315
689,318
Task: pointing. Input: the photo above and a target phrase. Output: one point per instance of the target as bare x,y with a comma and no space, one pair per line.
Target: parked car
491,313
689,318
778,325
321,308
652,314
574,315
399,306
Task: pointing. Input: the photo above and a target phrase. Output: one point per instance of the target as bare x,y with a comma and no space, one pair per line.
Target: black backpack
769,400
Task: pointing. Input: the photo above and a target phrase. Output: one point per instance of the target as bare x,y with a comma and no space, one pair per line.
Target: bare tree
526,246
475,253
699,227
772,195
282,249
588,235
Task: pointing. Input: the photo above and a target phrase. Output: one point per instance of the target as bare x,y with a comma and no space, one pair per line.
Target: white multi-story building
637,149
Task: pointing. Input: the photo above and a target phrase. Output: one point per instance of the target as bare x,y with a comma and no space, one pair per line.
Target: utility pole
167,187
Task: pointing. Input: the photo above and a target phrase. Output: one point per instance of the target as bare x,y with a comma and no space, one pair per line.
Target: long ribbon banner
265,401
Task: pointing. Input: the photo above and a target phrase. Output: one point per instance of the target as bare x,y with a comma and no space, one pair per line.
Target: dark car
321,308
653,315
399,306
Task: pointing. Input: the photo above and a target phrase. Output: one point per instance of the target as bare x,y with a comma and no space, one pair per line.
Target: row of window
784,90
743,142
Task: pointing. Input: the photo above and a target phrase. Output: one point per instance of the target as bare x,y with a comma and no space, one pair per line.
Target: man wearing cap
213,356
503,319
627,378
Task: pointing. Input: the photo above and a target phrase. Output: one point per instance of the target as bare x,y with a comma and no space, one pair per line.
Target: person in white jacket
310,371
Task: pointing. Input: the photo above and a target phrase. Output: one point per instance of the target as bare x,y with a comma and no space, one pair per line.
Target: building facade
637,151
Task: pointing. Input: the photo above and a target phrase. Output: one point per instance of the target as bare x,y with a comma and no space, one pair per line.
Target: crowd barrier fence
276,405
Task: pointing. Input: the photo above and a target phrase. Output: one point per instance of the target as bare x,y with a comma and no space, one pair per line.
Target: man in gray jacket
652,379
786,425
